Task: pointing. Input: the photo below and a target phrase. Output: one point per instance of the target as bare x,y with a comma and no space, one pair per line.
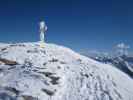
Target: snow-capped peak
28,72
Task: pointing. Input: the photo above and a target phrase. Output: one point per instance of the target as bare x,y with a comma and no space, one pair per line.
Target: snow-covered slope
28,72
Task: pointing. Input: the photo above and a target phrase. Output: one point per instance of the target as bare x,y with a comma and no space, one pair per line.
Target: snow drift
28,72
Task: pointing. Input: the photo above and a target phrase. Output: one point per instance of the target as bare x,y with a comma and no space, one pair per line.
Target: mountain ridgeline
29,72
122,62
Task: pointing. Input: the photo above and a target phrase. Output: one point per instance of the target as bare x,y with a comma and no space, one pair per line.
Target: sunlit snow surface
29,72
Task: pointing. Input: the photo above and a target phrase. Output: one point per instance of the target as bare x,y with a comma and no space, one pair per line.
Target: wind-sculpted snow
28,72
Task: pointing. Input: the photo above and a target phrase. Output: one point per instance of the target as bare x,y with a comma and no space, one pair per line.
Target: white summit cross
43,29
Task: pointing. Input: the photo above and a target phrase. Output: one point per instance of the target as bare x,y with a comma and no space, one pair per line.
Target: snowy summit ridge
28,72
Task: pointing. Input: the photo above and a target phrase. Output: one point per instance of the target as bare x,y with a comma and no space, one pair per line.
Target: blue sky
78,24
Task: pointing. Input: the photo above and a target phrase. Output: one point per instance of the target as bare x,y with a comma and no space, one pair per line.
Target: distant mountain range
122,62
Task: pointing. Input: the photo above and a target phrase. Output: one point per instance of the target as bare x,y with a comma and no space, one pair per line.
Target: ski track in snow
58,73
